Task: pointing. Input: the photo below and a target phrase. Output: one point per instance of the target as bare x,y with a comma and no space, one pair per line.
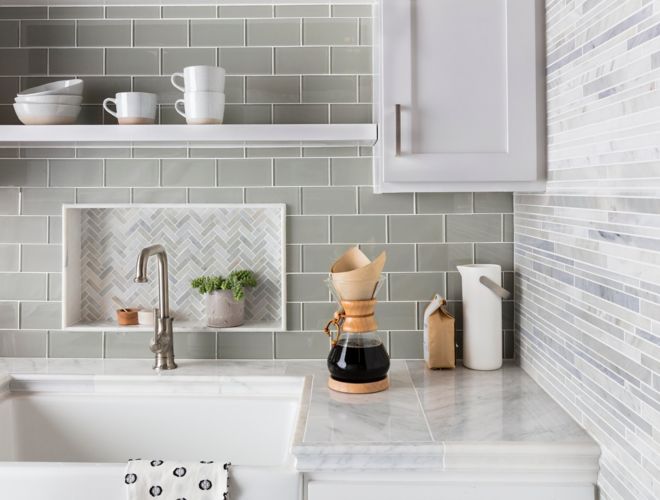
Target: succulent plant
237,281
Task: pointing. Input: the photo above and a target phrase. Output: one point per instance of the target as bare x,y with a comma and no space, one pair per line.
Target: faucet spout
141,275
162,344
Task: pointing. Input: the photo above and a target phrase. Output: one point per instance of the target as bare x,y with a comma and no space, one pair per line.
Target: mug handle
105,106
173,77
176,107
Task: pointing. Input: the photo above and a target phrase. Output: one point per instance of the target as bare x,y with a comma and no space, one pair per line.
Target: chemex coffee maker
358,362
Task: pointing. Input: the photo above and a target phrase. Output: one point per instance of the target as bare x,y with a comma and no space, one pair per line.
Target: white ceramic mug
201,108
132,108
200,79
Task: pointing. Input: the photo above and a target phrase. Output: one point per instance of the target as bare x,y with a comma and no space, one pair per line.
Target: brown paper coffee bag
439,335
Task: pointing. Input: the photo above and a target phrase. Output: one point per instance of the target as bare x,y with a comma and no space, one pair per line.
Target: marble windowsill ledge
454,421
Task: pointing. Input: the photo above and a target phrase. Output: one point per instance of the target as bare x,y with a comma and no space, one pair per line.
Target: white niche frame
72,258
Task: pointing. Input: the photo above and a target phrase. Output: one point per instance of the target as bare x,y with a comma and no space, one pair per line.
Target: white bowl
61,87
71,100
46,114
145,317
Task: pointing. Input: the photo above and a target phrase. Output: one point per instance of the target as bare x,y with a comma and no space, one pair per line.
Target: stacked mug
203,94
132,108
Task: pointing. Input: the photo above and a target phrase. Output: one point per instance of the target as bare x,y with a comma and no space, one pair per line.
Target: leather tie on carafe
336,321
357,316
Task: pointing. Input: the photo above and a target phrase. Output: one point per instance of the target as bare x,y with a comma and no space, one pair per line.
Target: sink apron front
69,438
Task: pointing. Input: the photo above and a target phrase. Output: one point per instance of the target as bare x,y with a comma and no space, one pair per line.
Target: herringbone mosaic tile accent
198,240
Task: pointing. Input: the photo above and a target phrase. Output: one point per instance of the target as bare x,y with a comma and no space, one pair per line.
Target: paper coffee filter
351,259
355,290
357,266
359,276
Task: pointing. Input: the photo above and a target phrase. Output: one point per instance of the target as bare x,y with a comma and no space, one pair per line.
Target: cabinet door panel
459,80
466,77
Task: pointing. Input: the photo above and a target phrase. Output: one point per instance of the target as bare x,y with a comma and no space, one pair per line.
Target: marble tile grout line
421,407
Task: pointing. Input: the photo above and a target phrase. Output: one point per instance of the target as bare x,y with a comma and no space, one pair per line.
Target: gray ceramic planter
222,311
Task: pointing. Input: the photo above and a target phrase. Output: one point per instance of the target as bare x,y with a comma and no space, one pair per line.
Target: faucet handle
160,343
162,338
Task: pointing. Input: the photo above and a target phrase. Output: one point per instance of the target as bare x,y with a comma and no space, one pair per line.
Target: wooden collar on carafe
358,316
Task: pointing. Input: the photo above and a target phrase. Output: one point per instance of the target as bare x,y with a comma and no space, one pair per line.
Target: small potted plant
225,304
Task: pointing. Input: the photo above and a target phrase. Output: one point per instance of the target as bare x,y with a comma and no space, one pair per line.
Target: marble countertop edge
587,448
303,411
403,448
579,459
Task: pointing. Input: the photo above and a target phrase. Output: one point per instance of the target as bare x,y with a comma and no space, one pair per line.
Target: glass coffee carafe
358,361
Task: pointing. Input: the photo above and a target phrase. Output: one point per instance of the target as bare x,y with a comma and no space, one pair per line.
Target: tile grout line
423,412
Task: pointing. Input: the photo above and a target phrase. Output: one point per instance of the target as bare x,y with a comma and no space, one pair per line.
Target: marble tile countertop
450,420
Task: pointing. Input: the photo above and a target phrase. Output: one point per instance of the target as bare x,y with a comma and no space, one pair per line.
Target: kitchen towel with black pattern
172,480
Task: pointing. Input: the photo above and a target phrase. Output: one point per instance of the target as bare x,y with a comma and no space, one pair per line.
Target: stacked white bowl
203,94
55,103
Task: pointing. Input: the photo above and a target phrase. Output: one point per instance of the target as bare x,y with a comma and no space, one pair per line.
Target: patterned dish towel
170,480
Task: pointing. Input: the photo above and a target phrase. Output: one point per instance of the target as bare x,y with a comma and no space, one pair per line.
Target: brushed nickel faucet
162,344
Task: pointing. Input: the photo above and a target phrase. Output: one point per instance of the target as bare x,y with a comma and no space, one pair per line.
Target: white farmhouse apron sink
69,437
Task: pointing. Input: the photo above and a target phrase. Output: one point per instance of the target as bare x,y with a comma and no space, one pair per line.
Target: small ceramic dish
71,100
61,87
46,114
145,317
127,317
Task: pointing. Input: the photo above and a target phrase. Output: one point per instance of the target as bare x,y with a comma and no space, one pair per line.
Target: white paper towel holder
482,315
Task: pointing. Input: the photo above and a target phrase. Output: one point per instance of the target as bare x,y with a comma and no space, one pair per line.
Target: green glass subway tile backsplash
286,63
282,59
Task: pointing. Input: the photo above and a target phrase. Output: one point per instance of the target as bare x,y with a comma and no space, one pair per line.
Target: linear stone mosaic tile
198,240
587,252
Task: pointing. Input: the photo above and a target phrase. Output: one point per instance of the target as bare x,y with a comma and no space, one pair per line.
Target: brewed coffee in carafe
358,361
358,358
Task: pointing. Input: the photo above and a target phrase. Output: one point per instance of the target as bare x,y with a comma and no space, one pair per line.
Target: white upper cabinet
461,96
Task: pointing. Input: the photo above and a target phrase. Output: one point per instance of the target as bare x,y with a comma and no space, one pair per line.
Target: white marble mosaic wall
587,253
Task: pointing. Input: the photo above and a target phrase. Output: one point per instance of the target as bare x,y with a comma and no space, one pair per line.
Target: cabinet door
461,96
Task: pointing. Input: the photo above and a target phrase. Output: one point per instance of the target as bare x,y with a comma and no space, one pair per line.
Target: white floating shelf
188,135
179,326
